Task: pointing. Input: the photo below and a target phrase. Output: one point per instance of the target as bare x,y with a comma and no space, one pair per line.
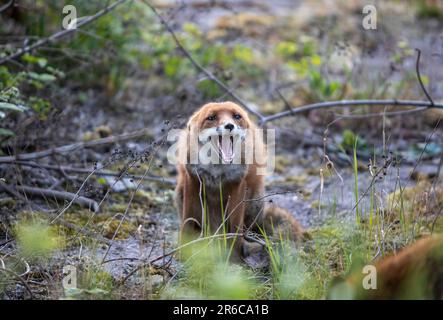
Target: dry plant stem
123,172
20,278
427,141
129,204
201,203
77,194
377,173
62,33
197,65
107,192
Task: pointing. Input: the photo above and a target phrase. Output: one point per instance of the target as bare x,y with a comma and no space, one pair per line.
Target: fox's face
222,126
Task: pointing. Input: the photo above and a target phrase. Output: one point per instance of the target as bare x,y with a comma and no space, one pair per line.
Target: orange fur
281,223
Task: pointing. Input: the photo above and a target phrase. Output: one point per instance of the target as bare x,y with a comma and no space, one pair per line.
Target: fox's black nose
229,126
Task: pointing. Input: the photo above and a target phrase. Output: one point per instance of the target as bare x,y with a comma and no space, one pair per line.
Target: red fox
229,185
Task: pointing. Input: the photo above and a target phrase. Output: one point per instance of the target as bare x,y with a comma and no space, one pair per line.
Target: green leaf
97,291
35,60
172,66
6,132
209,88
43,77
10,106
243,53
102,181
316,60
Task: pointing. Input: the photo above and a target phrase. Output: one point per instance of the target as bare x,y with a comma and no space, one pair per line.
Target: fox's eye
211,118
237,116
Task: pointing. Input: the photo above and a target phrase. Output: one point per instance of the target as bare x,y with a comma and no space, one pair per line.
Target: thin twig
285,101
19,277
7,6
129,204
417,69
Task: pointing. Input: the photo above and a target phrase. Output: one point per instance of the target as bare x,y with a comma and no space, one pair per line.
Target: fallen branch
9,189
209,74
102,173
74,146
46,193
61,33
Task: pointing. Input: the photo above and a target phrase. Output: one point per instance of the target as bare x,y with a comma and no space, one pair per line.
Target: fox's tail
276,223
280,223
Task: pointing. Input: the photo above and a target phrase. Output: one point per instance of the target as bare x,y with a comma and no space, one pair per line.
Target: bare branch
349,103
7,6
417,69
72,147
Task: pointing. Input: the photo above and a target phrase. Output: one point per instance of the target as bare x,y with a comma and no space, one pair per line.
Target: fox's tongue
226,148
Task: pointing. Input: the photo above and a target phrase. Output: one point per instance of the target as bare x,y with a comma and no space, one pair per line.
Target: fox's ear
192,121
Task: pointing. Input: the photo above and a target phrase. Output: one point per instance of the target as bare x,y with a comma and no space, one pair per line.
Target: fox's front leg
236,213
191,216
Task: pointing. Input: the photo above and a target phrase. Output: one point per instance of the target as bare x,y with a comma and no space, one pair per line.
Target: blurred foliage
210,275
119,44
36,240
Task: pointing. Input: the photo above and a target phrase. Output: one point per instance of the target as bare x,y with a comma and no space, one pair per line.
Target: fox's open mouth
224,145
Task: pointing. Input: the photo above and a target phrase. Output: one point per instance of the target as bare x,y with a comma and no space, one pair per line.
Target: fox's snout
229,126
